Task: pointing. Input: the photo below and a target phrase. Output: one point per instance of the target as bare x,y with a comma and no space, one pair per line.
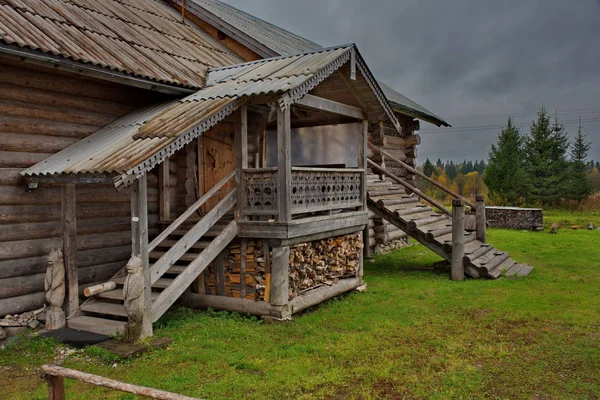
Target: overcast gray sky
472,62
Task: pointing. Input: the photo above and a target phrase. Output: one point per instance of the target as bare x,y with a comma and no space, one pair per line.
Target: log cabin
248,168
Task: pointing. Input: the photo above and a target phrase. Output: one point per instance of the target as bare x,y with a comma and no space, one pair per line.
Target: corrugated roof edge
282,57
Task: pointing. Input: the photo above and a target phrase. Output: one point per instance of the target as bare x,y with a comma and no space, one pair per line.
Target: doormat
75,338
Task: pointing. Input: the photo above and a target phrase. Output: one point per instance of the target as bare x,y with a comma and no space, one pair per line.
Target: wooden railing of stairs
178,255
390,200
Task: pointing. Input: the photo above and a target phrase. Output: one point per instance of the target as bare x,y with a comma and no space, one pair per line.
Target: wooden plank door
218,159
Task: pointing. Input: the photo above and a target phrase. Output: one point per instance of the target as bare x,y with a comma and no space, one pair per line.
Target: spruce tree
428,168
505,173
580,187
546,164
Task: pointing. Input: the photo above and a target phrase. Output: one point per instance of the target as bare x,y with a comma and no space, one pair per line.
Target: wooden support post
458,240
480,219
69,225
240,128
263,140
284,164
362,163
221,274
243,260
56,387
280,276
139,230
163,187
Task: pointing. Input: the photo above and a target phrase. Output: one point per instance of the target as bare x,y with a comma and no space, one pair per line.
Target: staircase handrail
409,187
191,210
422,175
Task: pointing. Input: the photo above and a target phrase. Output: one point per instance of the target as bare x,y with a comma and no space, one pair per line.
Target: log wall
42,111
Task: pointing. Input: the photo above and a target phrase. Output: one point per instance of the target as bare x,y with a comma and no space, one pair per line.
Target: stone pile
12,325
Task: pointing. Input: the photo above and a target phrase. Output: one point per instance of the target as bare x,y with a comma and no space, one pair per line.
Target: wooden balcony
323,202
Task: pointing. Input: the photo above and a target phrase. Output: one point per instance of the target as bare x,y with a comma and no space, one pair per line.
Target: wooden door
217,159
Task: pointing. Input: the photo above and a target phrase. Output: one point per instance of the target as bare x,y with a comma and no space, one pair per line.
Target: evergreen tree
439,164
546,164
580,187
451,170
505,173
428,168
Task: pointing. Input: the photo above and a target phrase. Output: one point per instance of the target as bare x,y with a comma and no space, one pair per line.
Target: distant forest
542,167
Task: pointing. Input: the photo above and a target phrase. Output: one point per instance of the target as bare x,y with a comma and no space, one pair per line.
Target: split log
97,289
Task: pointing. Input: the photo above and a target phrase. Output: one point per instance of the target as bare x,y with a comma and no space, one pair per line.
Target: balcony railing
311,190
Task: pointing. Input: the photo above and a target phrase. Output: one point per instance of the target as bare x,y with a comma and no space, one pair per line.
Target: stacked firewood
323,262
255,270
255,275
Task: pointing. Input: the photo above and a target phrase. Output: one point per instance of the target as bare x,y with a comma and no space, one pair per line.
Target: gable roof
139,141
270,40
142,38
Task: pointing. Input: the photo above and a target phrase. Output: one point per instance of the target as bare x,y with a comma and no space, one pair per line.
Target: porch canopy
128,148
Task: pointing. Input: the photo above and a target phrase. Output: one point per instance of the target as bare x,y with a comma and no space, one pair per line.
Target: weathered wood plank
280,276
457,272
320,103
284,164
69,226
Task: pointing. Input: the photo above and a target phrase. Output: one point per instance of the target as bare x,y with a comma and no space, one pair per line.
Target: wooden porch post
458,240
362,163
163,184
280,276
480,223
139,236
69,225
284,164
241,156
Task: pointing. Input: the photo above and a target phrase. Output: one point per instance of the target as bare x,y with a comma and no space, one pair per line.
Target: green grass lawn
413,334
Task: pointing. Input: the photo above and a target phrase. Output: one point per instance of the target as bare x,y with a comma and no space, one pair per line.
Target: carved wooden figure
133,293
54,285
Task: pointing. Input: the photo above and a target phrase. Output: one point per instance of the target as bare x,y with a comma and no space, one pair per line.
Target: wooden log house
235,165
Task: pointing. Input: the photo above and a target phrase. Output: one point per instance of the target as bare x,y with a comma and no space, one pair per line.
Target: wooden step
155,255
471,243
162,283
97,325
412,211
480,251
117,294
212,232
386,192
519,270
501,269
400,200
170,243
419,224
485,269
416,216
485,258
436,234
100,307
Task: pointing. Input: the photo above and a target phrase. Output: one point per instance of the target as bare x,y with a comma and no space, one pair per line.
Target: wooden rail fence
54,376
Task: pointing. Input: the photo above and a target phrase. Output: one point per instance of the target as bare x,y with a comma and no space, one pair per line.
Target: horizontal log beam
331,106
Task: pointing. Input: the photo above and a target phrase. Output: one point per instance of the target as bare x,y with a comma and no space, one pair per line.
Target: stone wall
515,218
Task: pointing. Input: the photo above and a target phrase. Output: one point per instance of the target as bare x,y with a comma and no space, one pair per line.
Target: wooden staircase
177,257
389,199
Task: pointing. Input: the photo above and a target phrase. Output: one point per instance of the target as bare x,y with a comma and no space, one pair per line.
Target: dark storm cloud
466,59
